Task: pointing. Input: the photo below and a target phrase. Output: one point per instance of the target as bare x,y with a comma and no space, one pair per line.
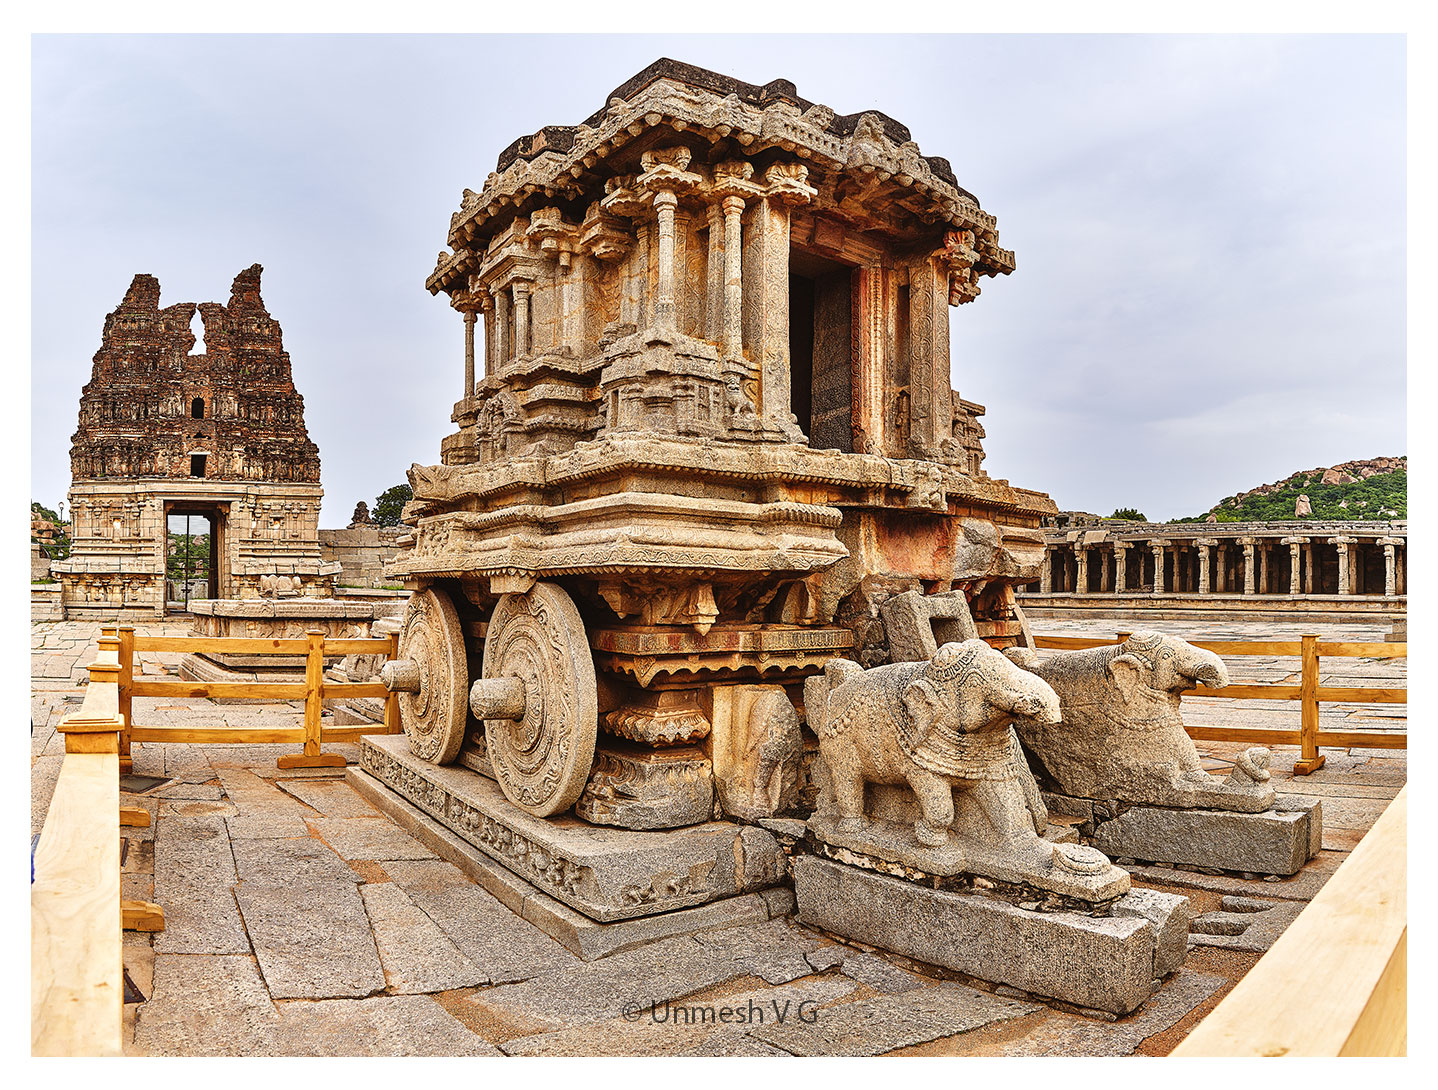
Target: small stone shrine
712,551
219,435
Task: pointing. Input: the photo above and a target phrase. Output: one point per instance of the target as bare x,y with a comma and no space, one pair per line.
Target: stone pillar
1104,585
1081,577
733,278
714,272
521,318
766,307
1205,562
486,306
1158,587
1046,571
1248,583
1120,566
1295,564
1345,563
469,317
1307,567
1390,568
869,400
504,342
664,312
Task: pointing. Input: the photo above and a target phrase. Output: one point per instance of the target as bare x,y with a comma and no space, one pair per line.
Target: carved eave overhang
566,163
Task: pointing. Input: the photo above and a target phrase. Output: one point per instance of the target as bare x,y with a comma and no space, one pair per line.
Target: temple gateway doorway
193,546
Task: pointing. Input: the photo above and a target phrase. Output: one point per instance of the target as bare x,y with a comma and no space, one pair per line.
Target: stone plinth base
575,931
1277,841
605,873
1109,963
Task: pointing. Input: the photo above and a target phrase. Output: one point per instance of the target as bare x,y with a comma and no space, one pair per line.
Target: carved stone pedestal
635,787
1108,963
604,873
1277,841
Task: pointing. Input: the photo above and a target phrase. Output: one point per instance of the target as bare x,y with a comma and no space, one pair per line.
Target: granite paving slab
44,771
312,939
597,991
194,873
773,950
416,955
880,975
266,826
279,862
369,838
331,797
254,796
398,1025
1244,923
871,1027
206,1005
503,948
699,1025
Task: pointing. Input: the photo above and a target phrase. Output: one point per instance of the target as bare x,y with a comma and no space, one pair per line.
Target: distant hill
1371,489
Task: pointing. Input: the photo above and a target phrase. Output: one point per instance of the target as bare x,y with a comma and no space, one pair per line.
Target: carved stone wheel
432,639
543,758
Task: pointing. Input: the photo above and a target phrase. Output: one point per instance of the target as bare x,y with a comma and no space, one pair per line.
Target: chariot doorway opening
192,552
821,347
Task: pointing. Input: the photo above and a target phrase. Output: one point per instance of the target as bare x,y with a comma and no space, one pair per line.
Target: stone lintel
1277,841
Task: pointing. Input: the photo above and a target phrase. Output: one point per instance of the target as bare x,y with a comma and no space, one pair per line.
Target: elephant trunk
1206,669
1028,696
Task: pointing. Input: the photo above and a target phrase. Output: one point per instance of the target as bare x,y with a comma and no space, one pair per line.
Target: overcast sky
1209,230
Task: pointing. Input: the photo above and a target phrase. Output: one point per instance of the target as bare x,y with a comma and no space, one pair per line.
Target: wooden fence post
1309,759
392,724
127,678
314,694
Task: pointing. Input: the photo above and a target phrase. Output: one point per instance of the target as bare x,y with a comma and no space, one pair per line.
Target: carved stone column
486,307
1104,585
1345,563
1120,564
469,317
1205,563
1081,577
1046,570
664,311
1390,567
733,278
1158,587
521,319
1295,564
1248,583
504,342
1307,567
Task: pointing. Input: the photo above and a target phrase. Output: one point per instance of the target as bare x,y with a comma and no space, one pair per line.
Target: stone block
607,874
206,1005
1105,963
386,1025
1269,842
417,956
635,787
312,939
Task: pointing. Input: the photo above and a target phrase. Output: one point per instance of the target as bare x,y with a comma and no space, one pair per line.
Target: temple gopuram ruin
218,436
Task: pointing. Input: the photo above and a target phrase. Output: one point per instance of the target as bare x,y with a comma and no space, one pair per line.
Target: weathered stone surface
608,874
1104,963
879,974
756,747
634,787
1244,923
266,827
312,939
575,931
502,948
369,838
1271,842
941,727
416,955
194,874
204,1005
1169,915
871,1027
279,862
774,951
1121,735
693,1026
402,1025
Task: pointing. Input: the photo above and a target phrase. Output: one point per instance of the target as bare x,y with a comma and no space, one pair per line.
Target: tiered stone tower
220,434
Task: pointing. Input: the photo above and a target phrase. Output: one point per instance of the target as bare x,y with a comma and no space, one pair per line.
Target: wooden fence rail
1336,982
76,914
313,690
1309,650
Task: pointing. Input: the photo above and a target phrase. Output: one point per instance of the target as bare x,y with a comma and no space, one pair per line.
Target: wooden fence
314,690
1336,981
1309,650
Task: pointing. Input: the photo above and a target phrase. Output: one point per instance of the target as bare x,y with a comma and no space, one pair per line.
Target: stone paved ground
302,922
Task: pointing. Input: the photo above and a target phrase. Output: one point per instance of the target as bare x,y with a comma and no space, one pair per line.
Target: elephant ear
1126,672
922,701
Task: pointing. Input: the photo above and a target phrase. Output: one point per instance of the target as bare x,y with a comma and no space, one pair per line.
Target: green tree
60,548
1129,513
389,505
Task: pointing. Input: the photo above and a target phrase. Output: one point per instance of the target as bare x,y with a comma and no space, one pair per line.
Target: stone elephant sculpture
1121,736
933,725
